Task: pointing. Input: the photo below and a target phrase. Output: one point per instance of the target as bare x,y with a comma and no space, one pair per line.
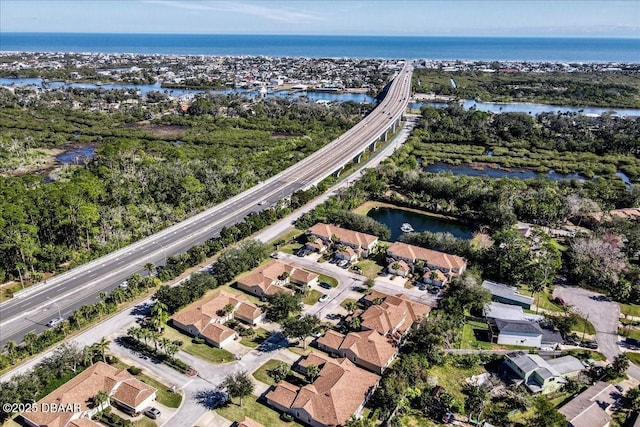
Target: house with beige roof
361,244
451,265
367,349
205,318
391,315
124,391
340,391
249,422
273,277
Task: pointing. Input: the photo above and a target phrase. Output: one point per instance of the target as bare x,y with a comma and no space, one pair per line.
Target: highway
82,285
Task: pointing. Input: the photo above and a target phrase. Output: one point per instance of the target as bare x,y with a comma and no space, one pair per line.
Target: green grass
291,248
261,373
256,339
630,309
369,268
328,279
416,419
584,354
452,378
543,299
343,304
311,297
630,333
633,357
144,422
254,410
292,233
164,395
203,351
468,339
584,325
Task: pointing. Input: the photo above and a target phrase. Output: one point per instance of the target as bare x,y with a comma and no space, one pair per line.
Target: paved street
605,316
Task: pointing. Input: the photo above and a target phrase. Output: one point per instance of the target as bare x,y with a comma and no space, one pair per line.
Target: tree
228,308
599,261
10,348
476,397
546,415
312,372
369,283
149,267
159,315
101,347
100,399
281,305
618,367
631,399
279,372
351,306
354,323
301,327
238,385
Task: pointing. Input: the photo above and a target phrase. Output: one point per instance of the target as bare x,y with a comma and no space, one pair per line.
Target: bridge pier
338,172
358,158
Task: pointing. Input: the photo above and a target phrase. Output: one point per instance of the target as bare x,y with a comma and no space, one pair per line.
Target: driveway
605,316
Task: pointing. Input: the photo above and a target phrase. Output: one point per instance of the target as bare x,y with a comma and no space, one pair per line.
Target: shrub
286,417
197,340
133,370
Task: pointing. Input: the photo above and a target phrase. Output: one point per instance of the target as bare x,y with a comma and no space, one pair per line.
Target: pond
394,218
498,172
76,155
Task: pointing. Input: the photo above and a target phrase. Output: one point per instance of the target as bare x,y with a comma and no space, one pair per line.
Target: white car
323,298
53,322
124,285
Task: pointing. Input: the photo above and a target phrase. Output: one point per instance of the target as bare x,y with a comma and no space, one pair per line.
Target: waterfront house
361,244
73,401
392,315
367,349
451,265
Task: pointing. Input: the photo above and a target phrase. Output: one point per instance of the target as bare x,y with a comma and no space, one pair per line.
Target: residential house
206,318
249,422
76,396
399,268
362,244
340,390
273,277
507,294
391,315
516,332
451,265
592,407
539,375
434,277
367,349
497,310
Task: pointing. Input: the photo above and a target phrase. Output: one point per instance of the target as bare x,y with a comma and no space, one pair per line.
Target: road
64,293
605,317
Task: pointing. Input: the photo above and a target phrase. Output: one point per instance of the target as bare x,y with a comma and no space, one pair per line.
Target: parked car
323,298
342,263
324,285
152,412
275,255
560,301
357,269
53,322
422,287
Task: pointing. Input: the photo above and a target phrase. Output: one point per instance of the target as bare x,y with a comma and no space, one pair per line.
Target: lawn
256,339
452,378
469,339
254,410
633,357
630,333
328,279
291,248
583,325
261,373
144,422
203,351
584,354
164,396
311,297
369,268
292,233
343,304
415,420
630,309
544,299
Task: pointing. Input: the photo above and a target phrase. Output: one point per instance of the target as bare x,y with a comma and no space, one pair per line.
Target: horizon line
584,36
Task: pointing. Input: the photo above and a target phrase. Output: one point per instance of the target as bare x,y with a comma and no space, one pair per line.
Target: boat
406,227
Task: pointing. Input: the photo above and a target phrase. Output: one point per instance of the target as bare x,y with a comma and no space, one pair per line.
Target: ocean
385,47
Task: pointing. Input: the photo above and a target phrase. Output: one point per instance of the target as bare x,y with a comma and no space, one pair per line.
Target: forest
145,175
610,89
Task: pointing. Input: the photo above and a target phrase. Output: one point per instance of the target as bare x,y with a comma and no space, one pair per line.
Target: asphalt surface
66,292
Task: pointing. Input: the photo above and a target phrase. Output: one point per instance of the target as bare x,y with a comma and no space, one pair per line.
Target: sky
537,18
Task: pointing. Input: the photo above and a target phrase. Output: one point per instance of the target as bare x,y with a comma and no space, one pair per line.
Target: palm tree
159,315
101,347
355,323
312,373
10,348
149,267
100,399
227,309
30,339
351,306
